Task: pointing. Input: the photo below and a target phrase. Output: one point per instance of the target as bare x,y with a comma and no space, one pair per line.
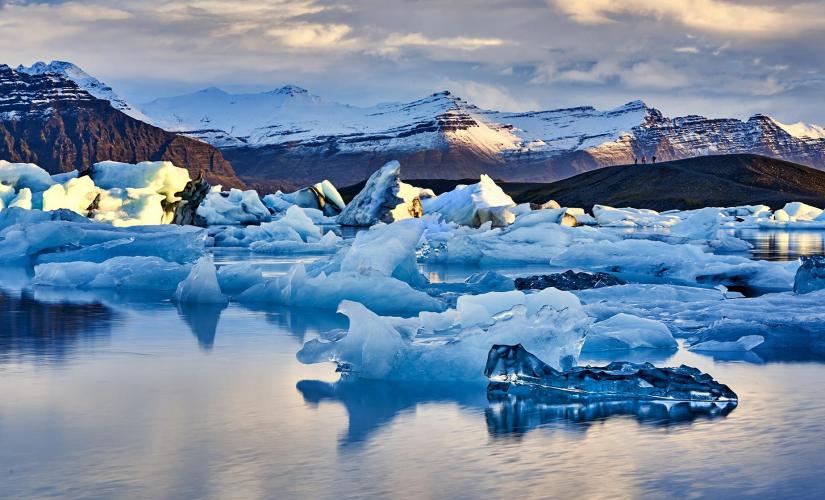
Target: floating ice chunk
798,211
381,293
24,175
743,344
201,285
384,249
233,207
321,196
633,217
161,177
811,275
327,243
76,194
384,199
625,331
473,205
34,236
437,347
138,273
647,260
513,370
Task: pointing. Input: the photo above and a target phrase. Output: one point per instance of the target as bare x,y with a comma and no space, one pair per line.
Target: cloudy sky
712,57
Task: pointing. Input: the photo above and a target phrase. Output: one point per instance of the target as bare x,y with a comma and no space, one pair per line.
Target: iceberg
452,345
233,207
626,331
321,196
201,284
656,261
30,236
24,175
384,199
134,273
474,204
633,217
292,232
513,370
742,344
811,275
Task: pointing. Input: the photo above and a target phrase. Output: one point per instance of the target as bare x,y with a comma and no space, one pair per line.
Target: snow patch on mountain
86,82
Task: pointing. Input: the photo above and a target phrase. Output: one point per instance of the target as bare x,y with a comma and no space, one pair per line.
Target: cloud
489,96
708,15
459,42
686,50
312,36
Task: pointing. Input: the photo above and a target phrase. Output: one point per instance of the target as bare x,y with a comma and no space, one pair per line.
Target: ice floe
452,345
385,198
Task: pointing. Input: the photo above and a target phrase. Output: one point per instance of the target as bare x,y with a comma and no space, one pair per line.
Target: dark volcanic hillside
719,180
48,120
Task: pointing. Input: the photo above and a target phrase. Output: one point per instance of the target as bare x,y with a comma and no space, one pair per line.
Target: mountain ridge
46,118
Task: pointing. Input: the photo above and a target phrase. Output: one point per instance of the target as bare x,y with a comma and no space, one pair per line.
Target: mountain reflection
371,405
49,331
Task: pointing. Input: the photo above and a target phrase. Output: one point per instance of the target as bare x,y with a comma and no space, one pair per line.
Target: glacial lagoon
131,396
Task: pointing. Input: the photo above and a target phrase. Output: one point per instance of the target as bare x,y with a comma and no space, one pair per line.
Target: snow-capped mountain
86,82
48,119
290,134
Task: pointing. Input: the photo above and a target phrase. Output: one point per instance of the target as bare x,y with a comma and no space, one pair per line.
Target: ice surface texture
811,274
384,199
513,370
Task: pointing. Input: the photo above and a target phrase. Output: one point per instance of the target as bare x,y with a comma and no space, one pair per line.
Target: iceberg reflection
508,415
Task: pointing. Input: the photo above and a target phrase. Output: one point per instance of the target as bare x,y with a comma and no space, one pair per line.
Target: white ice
625,331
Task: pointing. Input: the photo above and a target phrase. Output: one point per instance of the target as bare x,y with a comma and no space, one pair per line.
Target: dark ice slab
515,371
568,280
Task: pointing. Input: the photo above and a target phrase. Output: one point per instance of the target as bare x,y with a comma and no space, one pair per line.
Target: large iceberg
28,237
513,370
384,199
474,204
378,269
452,345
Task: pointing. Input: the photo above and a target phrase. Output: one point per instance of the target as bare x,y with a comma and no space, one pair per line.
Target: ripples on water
113,395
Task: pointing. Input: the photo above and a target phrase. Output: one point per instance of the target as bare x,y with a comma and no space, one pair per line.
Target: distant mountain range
290,138
62,119
291,135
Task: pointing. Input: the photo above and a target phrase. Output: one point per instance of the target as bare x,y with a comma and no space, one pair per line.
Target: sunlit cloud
708,15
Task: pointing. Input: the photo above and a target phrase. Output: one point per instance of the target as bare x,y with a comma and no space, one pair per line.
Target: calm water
132,397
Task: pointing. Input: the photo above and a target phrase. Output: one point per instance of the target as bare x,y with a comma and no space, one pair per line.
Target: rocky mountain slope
290,135
48,119
717,180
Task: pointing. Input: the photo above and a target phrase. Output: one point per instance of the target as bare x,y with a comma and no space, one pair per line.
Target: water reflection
514,416
372,404
202,319
301,323
49,331
783,245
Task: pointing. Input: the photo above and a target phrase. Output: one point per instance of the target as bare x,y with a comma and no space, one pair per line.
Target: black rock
568,280
193,194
